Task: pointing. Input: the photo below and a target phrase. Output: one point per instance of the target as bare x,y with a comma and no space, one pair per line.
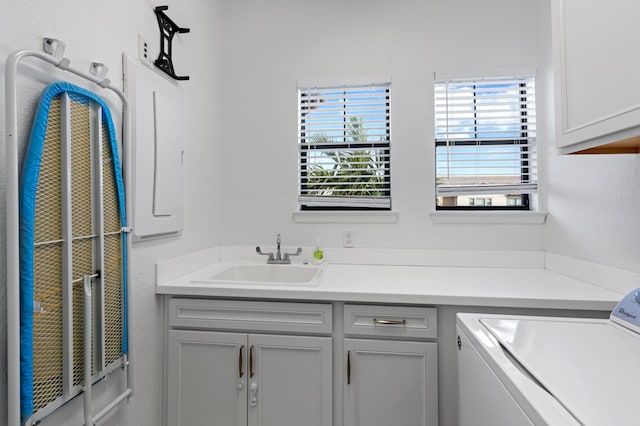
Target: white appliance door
592,367
483,399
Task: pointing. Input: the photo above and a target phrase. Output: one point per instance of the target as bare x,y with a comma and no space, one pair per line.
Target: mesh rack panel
96,244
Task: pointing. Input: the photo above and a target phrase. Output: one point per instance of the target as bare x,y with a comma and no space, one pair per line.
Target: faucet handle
297,253
264,254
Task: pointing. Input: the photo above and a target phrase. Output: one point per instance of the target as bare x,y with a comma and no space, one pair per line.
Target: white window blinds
344,147
485,134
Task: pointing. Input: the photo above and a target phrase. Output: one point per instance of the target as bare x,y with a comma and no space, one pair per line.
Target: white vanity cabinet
391,373
246,362
235,378
597,89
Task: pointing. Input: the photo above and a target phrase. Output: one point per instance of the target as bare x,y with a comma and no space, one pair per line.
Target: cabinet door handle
389,322
348,367
240,362
251,361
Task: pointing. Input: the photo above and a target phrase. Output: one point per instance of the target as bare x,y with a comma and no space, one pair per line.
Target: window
514,200
344,147
485,134
480,201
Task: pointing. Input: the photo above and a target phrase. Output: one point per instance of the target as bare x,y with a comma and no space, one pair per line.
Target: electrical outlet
143,49
348,238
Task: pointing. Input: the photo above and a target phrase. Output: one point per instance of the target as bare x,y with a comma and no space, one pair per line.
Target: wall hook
168,29
55,48
100,70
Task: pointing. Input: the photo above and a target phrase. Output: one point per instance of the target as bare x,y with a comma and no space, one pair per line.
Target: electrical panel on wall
158,129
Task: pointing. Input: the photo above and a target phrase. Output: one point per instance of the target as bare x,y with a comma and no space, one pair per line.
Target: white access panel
158,149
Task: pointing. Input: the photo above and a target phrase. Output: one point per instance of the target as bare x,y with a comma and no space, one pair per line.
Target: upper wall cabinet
596,72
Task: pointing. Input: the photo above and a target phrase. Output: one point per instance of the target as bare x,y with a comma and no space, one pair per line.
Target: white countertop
520,287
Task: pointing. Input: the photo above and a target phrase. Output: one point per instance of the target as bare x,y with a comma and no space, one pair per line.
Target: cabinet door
595,73
206,379
289,381
390,383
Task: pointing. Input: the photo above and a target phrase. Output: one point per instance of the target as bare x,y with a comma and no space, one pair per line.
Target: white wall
594,203
281,42
101,31
593,200
245,57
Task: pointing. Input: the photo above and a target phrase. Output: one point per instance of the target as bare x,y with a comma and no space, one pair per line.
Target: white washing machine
522,370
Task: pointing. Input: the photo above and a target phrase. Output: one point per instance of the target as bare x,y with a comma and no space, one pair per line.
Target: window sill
345,217
489,217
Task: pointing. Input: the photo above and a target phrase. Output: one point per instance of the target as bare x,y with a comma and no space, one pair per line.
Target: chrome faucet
278,258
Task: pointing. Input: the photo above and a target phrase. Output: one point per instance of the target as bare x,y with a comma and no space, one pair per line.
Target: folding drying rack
89,314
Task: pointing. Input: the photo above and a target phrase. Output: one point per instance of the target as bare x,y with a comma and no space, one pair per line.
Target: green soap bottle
318,254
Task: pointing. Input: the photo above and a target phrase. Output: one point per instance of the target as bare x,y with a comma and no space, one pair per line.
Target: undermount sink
297,275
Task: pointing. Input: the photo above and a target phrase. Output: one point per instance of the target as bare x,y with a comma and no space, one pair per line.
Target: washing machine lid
592,367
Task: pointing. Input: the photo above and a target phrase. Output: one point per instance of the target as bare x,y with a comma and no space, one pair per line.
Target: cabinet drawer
251,316
394,321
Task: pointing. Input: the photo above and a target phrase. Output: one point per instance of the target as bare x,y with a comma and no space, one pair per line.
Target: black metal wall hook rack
168,30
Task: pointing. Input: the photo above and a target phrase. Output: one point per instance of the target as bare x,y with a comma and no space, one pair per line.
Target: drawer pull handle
240,362
251,372
348,367
389,322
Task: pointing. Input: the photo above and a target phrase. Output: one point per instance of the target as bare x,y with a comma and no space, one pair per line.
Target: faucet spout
278,254
278,258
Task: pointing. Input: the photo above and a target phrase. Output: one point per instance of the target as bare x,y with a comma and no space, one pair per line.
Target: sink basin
299,275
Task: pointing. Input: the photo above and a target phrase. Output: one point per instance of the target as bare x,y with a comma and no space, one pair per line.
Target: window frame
306,146
528,159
